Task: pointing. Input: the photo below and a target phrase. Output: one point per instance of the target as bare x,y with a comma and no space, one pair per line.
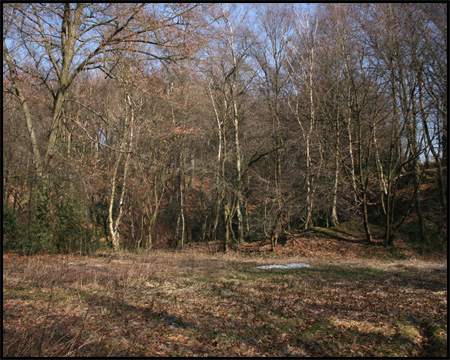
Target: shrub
38,236
69,227
54,224
435,243
11,229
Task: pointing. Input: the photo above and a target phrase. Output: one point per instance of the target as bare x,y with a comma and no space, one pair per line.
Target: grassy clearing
185,304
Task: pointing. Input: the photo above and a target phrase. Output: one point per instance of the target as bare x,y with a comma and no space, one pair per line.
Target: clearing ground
190,304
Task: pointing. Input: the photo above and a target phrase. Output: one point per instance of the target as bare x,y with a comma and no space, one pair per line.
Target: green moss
438,339
356,228
327,337
340,272
325,232
19,292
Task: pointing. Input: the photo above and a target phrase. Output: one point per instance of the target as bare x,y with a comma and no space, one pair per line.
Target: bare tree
62,40
302,70
273,30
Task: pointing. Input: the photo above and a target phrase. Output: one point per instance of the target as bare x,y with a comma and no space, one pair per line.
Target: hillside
347,240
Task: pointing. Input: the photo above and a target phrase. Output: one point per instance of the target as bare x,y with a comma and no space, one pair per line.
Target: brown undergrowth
191,304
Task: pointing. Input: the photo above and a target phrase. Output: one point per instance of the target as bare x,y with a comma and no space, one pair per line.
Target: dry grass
191,304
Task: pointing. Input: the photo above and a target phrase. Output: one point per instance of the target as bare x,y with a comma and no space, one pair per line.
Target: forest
166,166
159,125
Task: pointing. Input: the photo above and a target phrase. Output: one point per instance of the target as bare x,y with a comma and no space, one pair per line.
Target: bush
435,243
254,234
11,229
69,230
38,236
56,224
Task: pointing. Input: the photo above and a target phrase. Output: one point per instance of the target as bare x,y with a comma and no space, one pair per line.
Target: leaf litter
175,304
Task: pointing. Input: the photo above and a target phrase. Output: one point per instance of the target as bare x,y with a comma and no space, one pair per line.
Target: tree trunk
182,206
114,235
437,157
366,214
114,225
334,217
220,169
26,110
238,177
350,151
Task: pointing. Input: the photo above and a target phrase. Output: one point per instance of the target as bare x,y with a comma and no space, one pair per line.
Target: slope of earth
316,244
433,212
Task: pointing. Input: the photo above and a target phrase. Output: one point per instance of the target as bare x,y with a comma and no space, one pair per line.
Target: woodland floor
352,301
